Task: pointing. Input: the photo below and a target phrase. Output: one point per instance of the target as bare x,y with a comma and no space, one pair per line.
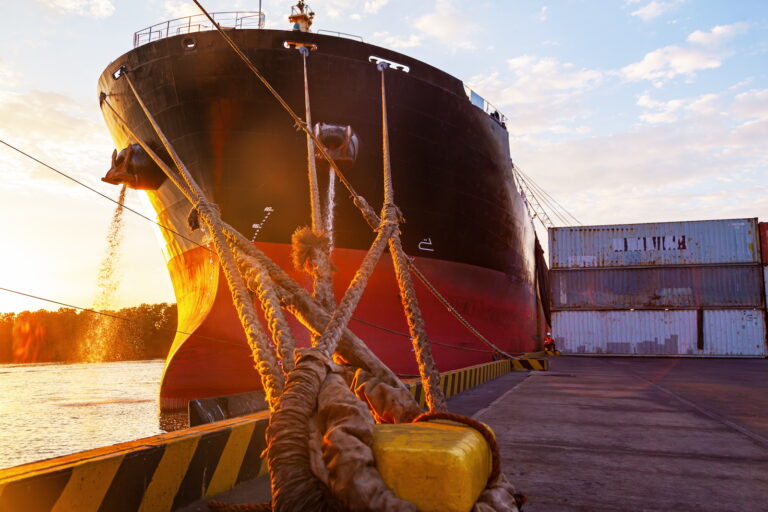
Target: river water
48,410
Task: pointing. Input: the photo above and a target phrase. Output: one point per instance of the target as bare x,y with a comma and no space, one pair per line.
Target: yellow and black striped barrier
168,471
158,473
456,381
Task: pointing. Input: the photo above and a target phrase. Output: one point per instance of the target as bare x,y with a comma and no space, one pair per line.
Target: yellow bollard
437,466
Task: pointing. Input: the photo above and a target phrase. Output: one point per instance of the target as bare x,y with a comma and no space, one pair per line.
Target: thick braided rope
322,277
310,253
266,365
321,269
314,189
259,282
340,318
264,359
220,506
368,213
294,486
312,315
430,376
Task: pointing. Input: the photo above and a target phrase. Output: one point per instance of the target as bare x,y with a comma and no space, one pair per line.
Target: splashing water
97,344
330,205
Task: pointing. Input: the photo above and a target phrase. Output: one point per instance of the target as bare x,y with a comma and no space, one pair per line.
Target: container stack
673,288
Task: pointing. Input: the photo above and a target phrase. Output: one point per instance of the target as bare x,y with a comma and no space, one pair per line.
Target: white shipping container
707,242
735,332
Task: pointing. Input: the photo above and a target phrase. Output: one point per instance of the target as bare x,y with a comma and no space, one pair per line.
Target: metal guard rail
484,105
198,23
340,34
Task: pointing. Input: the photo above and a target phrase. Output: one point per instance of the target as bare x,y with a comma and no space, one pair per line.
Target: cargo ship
466,227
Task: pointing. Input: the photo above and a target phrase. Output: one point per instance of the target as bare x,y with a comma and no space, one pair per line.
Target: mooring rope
354,292
311,314
314,189
317,253
258,281
75,180
314,392
368,213
455,313
264,360
430,375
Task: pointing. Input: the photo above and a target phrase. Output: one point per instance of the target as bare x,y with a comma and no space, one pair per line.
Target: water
48,410
95,346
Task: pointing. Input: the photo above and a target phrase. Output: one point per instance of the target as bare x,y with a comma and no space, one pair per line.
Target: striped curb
456,381
169,471
158,473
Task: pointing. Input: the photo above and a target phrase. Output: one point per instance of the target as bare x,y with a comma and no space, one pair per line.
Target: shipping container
734,332
763,228
682,332
707,242
657,287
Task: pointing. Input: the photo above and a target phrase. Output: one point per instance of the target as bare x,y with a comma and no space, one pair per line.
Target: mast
301,17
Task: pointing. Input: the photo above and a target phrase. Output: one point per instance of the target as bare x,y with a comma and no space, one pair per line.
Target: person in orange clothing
549,343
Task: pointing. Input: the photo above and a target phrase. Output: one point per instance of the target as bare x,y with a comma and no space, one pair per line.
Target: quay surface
623,435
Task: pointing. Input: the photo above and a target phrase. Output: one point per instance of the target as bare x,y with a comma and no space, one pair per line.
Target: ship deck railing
486,106
341,34
198,23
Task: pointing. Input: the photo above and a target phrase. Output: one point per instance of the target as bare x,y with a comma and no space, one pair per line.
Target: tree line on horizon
136,333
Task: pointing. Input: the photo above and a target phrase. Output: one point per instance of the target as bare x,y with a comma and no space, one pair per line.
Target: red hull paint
215,360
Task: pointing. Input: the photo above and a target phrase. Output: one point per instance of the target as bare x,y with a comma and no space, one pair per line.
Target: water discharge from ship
97,344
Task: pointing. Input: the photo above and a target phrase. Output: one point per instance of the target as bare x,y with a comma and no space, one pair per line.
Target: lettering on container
649,243
582,261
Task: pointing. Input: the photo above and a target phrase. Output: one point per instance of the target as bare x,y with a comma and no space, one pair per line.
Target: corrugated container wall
763,227
665,243
737,332
657,287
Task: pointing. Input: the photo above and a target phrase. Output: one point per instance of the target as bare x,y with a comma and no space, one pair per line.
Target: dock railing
198,23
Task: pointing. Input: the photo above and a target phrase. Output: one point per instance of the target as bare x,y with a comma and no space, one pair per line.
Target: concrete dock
612,434
620,434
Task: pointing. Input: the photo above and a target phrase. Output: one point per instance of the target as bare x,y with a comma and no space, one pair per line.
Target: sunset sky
623,110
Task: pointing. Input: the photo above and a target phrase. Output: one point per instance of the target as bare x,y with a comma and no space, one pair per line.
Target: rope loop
486,432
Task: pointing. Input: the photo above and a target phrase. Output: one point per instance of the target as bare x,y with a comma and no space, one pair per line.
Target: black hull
450,160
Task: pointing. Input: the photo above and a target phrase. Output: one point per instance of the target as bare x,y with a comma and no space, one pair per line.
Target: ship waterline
466,224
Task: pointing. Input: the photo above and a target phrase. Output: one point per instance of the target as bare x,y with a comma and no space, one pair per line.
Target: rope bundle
305,389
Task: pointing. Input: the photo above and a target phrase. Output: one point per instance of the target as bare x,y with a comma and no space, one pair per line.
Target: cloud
540,94
396,41
8,76
58,130
752,104
544,13
180,8
92,8
661,171
717,35
673,110
449,25
666,63
652,10
373,6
